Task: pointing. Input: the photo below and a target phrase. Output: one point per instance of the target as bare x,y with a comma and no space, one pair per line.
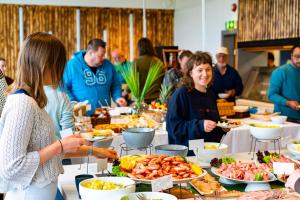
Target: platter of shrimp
145,168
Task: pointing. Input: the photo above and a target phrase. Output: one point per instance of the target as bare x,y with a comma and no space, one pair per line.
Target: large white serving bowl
208,154
292,148
279,119
91,194
151,195
265,131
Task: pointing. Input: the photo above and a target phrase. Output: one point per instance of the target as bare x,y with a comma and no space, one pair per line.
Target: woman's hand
72,143
104,153
209,125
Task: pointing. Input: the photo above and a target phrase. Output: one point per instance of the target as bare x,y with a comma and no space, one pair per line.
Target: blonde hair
40,52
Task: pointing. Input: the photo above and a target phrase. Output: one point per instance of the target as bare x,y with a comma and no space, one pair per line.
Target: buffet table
239,140
66,181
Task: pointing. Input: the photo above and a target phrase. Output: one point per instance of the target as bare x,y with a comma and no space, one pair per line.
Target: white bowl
292,149
241,108
208,154
223,95
279,119
152,195
265,131
91,194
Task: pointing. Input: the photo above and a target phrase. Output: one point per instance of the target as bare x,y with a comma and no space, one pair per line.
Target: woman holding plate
194,113
30,155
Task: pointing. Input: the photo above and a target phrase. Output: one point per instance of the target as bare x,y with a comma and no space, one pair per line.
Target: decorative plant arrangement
131,76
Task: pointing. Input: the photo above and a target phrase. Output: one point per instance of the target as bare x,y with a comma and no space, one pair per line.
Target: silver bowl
105,143
138,138
171,150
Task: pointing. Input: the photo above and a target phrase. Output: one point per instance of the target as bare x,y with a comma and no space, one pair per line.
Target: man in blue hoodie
284,90
89,76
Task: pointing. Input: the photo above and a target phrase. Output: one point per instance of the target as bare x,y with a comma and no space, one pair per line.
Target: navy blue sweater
187,111
230,80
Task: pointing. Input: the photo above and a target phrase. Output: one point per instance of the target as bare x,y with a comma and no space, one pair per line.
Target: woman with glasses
194,113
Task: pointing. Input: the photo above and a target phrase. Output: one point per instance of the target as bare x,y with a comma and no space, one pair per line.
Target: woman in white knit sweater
30,156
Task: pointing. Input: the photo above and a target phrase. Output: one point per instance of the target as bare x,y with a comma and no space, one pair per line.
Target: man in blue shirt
89,76
226,78
284,90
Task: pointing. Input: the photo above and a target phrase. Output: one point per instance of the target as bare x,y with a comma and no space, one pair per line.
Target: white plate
152,195
175,181
225,125
272,176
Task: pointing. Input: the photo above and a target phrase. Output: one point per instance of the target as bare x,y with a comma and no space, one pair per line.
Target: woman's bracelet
61,146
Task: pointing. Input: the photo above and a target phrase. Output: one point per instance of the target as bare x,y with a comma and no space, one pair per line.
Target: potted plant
131,76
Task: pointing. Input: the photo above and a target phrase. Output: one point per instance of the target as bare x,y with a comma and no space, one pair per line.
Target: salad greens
117,171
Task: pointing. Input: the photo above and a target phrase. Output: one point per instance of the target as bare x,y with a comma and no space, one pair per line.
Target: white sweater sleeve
17,165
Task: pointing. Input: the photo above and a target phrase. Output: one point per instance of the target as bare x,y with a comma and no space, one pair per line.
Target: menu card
283,168
162,183
196,144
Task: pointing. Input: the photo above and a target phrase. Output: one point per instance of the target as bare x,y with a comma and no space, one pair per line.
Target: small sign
196,144
162,183
283,168
88,107
66,133
101,164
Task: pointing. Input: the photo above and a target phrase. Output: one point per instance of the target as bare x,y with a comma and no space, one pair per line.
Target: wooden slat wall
59,20
92,23
160,27
9,36
268,19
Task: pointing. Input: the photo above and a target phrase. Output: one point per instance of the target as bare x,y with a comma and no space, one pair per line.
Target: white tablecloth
238,139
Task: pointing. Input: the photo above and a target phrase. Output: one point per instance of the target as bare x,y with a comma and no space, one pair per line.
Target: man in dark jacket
226,78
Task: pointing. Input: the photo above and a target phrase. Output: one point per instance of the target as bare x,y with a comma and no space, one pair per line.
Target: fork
141,196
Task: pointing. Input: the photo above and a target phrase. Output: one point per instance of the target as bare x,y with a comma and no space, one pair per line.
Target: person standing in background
226,78
89,76
271,60
174,75
59,109
146,58
119,61
284,90
3,66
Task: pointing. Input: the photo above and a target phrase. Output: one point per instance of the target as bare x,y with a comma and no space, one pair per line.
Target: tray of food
265,116
245,172
270,194
207,186
117,128
145,168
